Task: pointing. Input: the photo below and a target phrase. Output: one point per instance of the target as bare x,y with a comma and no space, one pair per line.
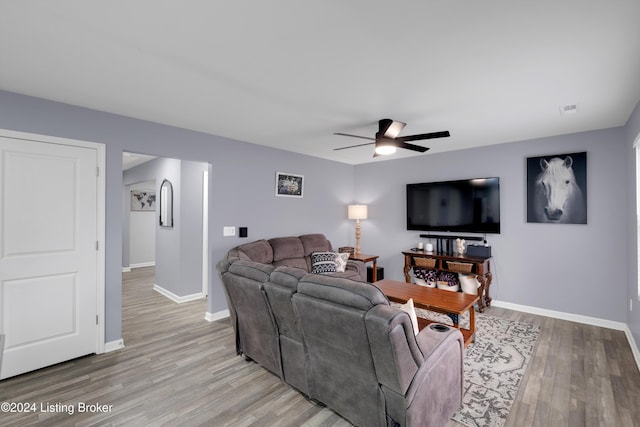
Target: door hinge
97,245
97,320
97,170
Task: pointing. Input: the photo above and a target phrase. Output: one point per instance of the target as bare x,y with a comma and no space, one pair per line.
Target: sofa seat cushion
293,262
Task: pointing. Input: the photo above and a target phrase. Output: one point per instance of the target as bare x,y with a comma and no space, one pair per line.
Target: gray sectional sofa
294,252
339,342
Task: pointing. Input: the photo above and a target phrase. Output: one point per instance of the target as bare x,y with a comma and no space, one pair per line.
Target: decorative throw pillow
323,262
411,311
341,262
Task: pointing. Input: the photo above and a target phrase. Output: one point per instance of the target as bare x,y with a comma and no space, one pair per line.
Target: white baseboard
594,321
175,298
212,317
578,318
143,264
126,269
114,345
634,346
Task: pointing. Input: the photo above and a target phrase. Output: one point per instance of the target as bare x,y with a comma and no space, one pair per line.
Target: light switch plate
228,231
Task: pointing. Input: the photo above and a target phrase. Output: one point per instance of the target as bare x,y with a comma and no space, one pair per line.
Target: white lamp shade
357,212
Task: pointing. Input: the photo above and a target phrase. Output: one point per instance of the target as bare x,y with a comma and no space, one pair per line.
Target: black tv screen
471,205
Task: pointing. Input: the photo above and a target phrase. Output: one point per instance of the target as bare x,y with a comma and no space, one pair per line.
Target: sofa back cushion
252,270
281,286
315,243
258,251
331,315
288,252
257,331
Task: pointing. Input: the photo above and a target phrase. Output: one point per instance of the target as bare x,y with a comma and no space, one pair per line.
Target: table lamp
357,212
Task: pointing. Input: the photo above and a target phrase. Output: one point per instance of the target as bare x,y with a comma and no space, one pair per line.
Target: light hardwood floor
178,369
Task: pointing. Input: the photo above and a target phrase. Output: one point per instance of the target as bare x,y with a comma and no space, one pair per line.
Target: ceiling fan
387,139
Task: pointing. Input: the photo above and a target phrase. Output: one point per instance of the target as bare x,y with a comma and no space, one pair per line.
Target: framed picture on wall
557,189
143,200
289,184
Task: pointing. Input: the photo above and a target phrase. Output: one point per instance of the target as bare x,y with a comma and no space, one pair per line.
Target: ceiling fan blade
432,135
354,146
354,136
412,147
390,128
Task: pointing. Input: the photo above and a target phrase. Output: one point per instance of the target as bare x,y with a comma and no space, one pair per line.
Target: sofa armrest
436,391
359,267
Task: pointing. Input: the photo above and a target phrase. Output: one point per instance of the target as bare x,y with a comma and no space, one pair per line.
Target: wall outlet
228,231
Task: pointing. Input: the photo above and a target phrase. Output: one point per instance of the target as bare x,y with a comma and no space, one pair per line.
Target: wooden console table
481,269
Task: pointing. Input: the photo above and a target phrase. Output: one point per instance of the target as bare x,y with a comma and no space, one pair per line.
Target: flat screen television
470,205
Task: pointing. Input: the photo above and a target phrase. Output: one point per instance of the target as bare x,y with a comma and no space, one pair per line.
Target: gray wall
190,208
577,269
169,240
139,241
582,269
633,319
242,184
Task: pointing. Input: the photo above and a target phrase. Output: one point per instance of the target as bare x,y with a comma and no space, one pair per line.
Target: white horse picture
554,193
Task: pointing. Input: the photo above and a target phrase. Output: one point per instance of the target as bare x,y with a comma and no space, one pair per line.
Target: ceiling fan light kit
387,140
385,147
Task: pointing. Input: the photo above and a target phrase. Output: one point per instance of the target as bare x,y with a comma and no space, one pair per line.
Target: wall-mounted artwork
289,184
143,200
557,189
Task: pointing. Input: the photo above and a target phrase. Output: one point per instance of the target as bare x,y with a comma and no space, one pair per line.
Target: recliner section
339,342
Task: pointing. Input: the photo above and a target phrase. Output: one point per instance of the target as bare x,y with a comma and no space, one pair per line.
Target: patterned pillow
341,262
323,262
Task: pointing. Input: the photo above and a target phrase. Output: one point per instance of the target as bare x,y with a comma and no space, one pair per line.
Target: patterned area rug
493,367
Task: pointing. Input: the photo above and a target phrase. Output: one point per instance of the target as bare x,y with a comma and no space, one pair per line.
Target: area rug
493,367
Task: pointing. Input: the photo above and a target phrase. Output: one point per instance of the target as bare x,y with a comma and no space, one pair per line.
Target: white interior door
48,253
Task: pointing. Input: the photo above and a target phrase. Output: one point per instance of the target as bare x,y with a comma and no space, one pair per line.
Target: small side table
368,258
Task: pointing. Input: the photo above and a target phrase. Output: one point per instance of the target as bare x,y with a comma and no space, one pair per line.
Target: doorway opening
179,251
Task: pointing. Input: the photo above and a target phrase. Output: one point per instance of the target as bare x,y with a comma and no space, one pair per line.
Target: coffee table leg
472,323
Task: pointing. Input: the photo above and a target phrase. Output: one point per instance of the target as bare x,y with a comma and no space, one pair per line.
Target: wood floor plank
179,370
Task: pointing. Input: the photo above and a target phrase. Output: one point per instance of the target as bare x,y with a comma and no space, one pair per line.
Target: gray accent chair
339,342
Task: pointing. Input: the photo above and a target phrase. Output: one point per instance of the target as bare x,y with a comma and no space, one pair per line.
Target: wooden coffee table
438,300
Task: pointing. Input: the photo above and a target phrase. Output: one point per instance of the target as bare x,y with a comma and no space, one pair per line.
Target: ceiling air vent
569,109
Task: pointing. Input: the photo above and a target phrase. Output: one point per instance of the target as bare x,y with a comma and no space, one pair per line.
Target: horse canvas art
556,191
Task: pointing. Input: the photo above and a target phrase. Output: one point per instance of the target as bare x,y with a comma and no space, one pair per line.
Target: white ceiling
130,160
288,74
